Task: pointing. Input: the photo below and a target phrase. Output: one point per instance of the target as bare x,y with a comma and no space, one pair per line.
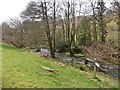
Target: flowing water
112,70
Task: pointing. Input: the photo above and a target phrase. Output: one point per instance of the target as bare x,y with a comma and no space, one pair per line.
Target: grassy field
21,69
0,66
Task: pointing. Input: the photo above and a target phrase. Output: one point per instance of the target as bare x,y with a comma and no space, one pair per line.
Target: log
90,60
50,70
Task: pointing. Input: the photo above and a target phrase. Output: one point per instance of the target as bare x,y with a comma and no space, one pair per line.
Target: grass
77,55
21,69
0,66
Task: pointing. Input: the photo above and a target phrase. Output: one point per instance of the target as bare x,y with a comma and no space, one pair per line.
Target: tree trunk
94,23
63,28
102,22
54,29
47,28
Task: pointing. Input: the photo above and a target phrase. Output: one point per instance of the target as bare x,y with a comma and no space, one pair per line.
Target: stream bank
109,69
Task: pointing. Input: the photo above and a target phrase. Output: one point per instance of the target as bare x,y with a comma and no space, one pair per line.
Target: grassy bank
22,69
0,66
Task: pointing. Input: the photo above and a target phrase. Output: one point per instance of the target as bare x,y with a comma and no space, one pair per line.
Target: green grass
78,54
0,66
21,69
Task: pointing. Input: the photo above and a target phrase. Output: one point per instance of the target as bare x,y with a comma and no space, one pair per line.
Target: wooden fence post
95,68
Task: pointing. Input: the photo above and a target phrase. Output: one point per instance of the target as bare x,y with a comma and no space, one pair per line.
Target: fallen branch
50,70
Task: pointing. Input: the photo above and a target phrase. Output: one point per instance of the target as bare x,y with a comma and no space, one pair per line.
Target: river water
109,69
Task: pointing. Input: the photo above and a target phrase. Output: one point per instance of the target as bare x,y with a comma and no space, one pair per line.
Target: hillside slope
21,69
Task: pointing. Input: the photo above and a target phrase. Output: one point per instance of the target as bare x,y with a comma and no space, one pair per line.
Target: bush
82,40
77,50
63,48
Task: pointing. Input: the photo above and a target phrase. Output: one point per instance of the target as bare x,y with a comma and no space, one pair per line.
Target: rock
38,50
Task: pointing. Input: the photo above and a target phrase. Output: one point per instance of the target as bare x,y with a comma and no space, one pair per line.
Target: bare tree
45,17
6,32
69,31
101,21
116,6
116,12
18,32
54,25
93,5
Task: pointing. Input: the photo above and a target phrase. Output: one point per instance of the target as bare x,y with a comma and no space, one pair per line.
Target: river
109,69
